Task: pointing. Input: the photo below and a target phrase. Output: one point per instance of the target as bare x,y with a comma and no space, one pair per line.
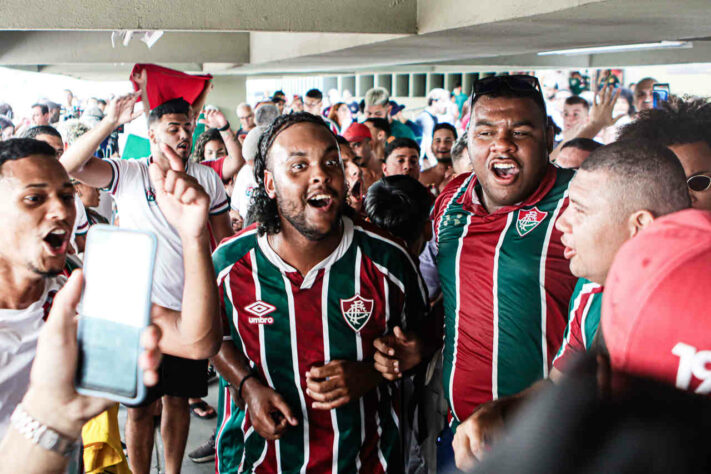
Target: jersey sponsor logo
528,219
357,311
260,310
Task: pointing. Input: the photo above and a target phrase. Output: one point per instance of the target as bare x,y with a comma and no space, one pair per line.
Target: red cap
655,315
357,132
163,84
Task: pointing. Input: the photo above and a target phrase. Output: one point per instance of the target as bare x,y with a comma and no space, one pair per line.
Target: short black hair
173,106
37,130
314,94
43,108
17,148
676,122
575,100
445,126
381,124
263,209
585,144
6,110
399,204
401,142
643,174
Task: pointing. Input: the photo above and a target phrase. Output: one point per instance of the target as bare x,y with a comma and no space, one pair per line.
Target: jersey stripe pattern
506,288
285,324
583,321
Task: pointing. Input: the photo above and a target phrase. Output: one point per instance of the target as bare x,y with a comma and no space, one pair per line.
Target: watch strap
41,434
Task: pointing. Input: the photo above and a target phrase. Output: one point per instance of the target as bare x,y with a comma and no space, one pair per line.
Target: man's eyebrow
37,185
297,153
523,123
483,123
577,203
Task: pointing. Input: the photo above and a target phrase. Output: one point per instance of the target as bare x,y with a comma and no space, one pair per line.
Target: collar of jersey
310,277
470,200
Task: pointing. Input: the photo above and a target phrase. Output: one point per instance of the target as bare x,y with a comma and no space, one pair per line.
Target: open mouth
505,171
56,241
320,201
182,146
357,190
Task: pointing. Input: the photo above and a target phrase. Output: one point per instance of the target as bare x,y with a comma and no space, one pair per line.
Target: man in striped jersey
620,189
505,281
306,291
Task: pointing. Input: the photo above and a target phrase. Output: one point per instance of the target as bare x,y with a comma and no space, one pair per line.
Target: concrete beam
86,47
357,16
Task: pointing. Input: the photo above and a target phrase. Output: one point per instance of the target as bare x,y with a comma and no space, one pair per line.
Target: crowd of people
506,282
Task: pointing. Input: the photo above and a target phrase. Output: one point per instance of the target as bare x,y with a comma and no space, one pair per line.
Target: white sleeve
122,172
81,223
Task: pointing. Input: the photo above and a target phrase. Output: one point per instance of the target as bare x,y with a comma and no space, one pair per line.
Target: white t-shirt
19,329
137,209
242,191
81,223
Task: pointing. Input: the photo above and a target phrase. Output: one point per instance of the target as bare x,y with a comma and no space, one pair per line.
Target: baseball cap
655,317
357,132
395,108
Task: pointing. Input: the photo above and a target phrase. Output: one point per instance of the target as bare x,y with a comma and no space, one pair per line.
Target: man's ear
152,135
384,165
269,184
550,138
638,221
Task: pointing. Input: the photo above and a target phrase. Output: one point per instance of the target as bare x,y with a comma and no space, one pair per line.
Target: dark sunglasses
516,82
699,182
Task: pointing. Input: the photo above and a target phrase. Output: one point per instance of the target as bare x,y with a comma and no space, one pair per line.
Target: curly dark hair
204,138
676,122
263,209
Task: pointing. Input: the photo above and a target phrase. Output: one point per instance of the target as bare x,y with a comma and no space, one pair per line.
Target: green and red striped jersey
506,288
286,323
583,321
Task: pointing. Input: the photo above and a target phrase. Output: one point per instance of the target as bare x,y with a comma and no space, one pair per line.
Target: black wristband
225,128
241,384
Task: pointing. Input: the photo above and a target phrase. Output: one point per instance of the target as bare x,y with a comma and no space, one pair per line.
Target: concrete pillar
227,94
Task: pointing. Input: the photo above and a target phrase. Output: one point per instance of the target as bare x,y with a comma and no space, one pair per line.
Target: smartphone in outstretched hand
113,312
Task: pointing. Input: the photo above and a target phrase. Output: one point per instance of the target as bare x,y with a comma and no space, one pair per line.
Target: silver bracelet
41,435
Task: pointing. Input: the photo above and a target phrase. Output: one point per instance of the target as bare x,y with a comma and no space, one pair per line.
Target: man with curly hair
306,291
683,126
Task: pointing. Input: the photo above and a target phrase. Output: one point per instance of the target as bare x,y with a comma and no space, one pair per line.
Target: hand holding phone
114,311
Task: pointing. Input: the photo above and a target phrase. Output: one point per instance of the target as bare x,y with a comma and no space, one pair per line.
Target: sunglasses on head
699,182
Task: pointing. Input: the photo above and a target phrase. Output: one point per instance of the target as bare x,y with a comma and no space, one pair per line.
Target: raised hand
181,198
603,105
269,413
340,382
396,353
121,110
213,118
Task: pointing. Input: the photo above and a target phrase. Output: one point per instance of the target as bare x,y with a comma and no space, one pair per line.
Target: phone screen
114,309
660,94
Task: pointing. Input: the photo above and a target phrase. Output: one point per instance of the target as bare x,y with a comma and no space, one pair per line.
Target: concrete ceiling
314,36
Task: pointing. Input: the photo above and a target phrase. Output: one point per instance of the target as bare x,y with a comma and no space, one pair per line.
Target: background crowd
511,279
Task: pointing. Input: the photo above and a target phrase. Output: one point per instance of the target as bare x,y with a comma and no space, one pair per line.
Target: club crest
528,219
357,311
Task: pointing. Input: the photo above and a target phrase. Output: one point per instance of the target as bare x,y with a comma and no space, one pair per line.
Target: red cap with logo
357,132
655,315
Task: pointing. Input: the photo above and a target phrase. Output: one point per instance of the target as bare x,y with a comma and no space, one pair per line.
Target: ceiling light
619,48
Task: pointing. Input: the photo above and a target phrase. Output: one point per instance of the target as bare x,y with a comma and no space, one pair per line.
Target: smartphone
114,310
660,94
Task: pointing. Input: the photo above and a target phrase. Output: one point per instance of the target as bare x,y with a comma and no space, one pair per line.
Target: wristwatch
40,434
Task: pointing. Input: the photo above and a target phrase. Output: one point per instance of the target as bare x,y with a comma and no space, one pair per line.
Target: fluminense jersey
583,321
285,324
137,209
506,288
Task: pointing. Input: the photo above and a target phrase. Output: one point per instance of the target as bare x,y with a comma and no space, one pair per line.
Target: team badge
357,311
528,219
261,311
150,195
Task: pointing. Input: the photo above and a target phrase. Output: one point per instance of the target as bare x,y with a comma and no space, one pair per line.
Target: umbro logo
260,310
